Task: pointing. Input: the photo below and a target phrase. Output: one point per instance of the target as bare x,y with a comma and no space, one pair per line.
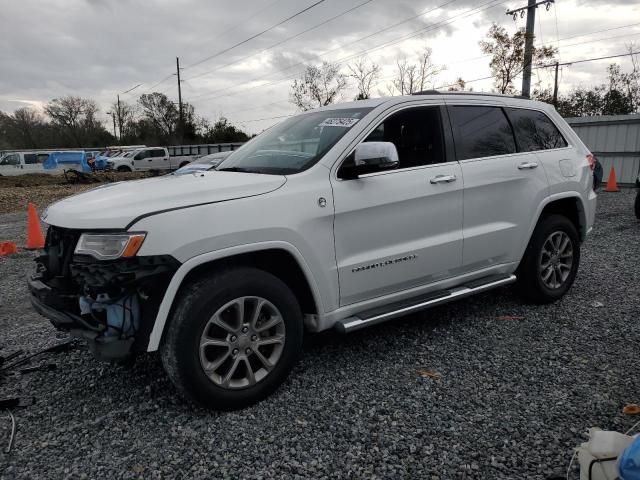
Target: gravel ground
43,188
515,395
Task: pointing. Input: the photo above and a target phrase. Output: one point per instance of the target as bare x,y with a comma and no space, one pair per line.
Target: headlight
110,246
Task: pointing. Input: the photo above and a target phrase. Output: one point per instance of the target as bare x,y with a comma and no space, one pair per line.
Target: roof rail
486,94
427,92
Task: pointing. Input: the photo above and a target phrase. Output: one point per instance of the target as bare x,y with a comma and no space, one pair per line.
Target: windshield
295,144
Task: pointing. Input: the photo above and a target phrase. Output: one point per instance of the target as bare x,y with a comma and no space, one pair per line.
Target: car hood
118,205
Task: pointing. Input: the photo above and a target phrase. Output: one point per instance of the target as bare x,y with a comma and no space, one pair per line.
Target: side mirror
370,157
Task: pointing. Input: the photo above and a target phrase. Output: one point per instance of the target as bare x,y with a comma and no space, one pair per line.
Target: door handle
443,179
528,166
150,160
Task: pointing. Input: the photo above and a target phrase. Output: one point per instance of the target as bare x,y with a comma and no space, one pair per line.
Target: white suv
342,217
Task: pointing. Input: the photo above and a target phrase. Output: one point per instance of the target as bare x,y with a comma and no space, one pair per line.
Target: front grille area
59,247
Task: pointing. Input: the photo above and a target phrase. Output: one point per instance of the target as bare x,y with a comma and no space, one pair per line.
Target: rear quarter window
534,130
481,131
30,158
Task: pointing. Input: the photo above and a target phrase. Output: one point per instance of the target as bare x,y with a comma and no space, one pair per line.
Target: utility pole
528,39
181,121
119,119
113,117
555,87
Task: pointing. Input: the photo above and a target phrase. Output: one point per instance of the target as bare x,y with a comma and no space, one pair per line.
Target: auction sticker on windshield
339,122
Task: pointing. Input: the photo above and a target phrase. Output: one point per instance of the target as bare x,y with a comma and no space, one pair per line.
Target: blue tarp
67,160
101,162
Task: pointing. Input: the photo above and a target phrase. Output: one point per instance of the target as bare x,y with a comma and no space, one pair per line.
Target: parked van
19,163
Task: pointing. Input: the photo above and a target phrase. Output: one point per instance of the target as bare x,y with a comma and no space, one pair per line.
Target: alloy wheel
242,342
556,260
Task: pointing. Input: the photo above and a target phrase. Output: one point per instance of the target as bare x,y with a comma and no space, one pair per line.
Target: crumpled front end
110,303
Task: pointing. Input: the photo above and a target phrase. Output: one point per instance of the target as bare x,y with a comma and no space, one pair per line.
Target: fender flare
582,218
176,281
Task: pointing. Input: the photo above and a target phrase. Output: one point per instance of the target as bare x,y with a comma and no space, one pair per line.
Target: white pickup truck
147,158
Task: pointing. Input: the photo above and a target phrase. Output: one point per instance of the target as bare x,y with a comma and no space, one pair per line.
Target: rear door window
158,153
480,131
30,158
534,130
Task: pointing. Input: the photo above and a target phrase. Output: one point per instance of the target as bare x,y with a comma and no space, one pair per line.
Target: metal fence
174,150
614,140
205,149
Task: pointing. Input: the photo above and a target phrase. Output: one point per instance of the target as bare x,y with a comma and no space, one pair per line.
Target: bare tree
125,117
160,112
507,55
74,116
26,125
318,86
415,77
365,75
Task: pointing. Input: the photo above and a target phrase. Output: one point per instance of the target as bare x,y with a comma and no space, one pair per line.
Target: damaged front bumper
111,304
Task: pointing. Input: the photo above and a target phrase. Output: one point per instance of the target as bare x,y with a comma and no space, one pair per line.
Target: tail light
591,160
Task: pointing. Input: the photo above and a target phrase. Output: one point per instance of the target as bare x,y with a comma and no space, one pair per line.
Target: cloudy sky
101,48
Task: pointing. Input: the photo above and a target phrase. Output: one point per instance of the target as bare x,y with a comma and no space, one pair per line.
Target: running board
388,312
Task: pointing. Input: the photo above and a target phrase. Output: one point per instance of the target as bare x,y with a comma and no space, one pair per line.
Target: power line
131,89
244,20
380,80
349,57
160,82
599,31
589,60
217,54
338,47
281,42
601,39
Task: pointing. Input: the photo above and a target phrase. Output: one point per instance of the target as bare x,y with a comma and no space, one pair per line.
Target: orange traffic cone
612,184
7,248
35,239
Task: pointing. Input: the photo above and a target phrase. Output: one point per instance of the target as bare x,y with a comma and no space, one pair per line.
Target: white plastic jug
602,444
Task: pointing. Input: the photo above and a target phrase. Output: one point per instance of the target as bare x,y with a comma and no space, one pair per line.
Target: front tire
123,169
550,263
233,338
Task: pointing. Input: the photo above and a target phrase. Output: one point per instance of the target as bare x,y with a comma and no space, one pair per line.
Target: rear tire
215,329
637,205
550,262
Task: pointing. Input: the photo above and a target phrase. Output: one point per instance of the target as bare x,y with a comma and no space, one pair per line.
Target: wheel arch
571,207
278,258
569,204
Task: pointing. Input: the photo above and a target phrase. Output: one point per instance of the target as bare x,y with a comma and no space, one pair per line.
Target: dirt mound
43,189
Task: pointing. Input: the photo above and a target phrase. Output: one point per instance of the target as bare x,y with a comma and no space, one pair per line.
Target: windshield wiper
237,169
